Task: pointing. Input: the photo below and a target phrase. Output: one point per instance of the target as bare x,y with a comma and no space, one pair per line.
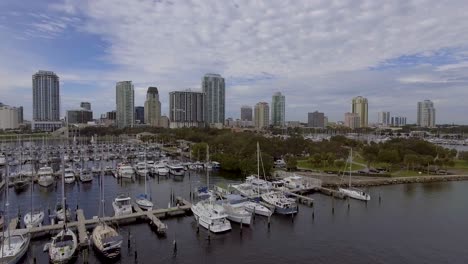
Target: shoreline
367,181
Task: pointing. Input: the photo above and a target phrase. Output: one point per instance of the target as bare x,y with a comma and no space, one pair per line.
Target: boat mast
7,204
207,162
63,192
32,178
258,167
350,166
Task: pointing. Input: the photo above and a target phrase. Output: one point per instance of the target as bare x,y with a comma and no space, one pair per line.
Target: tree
291,162
199,151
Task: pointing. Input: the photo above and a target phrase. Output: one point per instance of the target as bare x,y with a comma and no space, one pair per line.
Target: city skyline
380,66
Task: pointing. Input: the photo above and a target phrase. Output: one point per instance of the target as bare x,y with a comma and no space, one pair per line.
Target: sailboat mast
7,204
32,177
258,167
207,161
63,190
350,165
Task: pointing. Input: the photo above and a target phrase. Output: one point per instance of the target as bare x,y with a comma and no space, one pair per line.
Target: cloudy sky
319,54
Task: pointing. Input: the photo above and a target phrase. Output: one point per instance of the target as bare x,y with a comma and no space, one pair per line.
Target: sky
319,54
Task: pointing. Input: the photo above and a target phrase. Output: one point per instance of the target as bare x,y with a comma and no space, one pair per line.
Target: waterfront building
426,114
213,87
360,107
186,109
125,104
9,117
293,124
316,120
278,109
262,115
152,107
112,115
85,105
46,101
384,118
79,116
246,113
139,114
352,120
20,115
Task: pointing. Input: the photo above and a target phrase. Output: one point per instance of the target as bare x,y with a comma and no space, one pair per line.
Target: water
416,223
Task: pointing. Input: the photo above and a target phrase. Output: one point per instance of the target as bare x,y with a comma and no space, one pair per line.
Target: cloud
319,54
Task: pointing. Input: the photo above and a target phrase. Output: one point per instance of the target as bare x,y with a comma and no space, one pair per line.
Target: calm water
417,223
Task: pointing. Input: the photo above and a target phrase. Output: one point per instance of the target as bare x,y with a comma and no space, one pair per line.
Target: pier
82,224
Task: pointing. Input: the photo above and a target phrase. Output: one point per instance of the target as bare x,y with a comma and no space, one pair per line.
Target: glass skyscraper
278,109
125,104
213,87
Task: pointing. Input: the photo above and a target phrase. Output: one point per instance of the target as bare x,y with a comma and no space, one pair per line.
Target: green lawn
461,164
307,165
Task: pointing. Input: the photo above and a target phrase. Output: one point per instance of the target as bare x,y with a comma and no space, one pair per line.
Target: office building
360,107
9,117
152,107
139,115
164,122
186,109
79,116
20,115
125,104
383,118
85,105
316,120
112,115
246,113
278,109
46,101
213,87
262,115
352,120
426,114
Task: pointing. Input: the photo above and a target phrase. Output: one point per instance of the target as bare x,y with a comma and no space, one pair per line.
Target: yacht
244,189
86,175
280,203
122,205
259,185
14,246
106,240
125,171
257,208
63,246
176,170
33,219
20,182
211,216
294,182
235,210
60,212
141,169
45,176
2,160
144,203
69,175
161,169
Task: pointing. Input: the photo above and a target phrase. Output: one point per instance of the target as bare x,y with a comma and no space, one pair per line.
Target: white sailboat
35,217
64,245
210,215
14,244
106,240
351,192
142,200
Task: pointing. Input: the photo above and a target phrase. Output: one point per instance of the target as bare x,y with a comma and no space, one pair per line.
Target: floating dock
82,224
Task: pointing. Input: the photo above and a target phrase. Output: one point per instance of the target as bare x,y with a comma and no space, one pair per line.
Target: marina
170,222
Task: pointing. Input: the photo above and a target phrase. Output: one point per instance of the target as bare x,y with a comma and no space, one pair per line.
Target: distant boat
86,175
280,203
45,176
176,170
69,176
122,205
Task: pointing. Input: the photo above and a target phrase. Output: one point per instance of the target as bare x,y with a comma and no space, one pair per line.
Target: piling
241,226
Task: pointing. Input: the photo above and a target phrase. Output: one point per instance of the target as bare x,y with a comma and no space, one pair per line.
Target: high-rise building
426,114
246,113
360,107
125,104
152,107
186,109
352,120
384,118
316,119
9,117
139,114
20,115
398,121
278,109
112,115
213,87
85,105
46,101
262,115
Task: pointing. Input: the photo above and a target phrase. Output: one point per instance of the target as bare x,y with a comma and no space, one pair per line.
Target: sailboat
142,200
14,244
19,182
64,245
105,239
208,214
33,218
351,192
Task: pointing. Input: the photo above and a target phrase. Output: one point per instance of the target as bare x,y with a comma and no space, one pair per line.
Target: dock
82,224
